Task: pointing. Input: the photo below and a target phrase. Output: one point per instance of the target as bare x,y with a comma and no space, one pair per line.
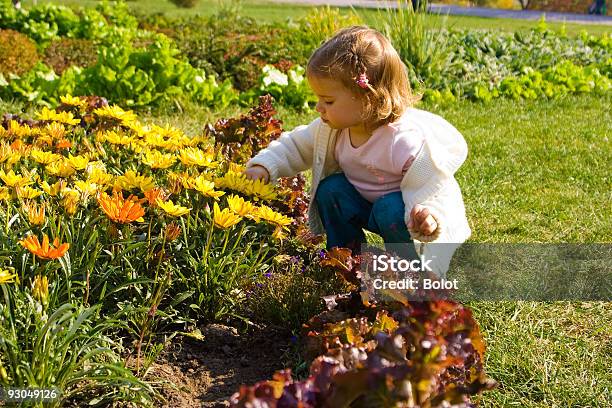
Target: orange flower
119,209
45,251
16,145
63,144
155,193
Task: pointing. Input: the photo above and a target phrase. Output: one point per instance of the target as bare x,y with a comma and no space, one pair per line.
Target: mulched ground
206,373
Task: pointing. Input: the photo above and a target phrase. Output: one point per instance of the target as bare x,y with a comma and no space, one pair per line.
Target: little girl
377,163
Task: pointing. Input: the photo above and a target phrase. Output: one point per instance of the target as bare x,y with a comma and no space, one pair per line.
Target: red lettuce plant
239,138
429,354
399,353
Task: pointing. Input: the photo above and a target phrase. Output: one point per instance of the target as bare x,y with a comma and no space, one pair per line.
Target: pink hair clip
362,81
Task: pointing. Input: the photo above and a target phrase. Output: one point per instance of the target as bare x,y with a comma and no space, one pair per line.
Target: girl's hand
257,172
421,222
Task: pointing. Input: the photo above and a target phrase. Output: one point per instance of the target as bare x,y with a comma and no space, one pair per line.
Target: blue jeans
344,213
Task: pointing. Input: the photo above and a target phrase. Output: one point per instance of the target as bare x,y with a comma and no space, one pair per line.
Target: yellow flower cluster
238,182
56,168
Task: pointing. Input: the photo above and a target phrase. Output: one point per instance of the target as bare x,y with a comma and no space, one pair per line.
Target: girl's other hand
257,173
421,221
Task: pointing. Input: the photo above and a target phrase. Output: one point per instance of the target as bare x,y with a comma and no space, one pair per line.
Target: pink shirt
377,167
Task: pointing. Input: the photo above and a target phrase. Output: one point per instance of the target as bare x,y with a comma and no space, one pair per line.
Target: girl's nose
319,107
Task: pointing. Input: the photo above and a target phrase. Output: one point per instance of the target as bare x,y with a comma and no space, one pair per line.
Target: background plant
19,53
67,52
425,50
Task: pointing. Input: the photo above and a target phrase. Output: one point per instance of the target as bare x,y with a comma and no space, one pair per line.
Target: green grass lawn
274,12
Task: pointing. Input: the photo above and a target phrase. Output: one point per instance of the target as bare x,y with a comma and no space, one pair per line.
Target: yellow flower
232,181
266,213
238,182
5,150
36,214
60,168
27,192
206,187
115,113
13,158
226,218
44,157
180,141
5,194
241,207
6,276
86,188
130,179
166,131
279,233
19,131
261,189
40,289
172,209
191,156
138,128
236,168
155,140
99,176
70,200
55,131
116,138
74,101
51,115
14,180
182,179
78,162
158,160
53,190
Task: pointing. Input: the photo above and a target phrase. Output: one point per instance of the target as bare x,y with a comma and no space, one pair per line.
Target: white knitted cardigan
429,181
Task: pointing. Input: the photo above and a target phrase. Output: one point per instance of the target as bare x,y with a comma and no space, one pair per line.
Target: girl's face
338,106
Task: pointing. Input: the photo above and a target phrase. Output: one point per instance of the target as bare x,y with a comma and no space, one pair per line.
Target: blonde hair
359,50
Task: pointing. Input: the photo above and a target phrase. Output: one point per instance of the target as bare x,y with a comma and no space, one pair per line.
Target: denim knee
330,187
388,214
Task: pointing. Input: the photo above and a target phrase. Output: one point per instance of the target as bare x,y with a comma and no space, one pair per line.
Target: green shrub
18,53
230,46
424,51
67,52
45,22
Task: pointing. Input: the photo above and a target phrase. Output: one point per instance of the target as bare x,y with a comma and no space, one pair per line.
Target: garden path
466,11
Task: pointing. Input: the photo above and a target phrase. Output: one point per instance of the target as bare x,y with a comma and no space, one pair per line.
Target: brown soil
194,373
